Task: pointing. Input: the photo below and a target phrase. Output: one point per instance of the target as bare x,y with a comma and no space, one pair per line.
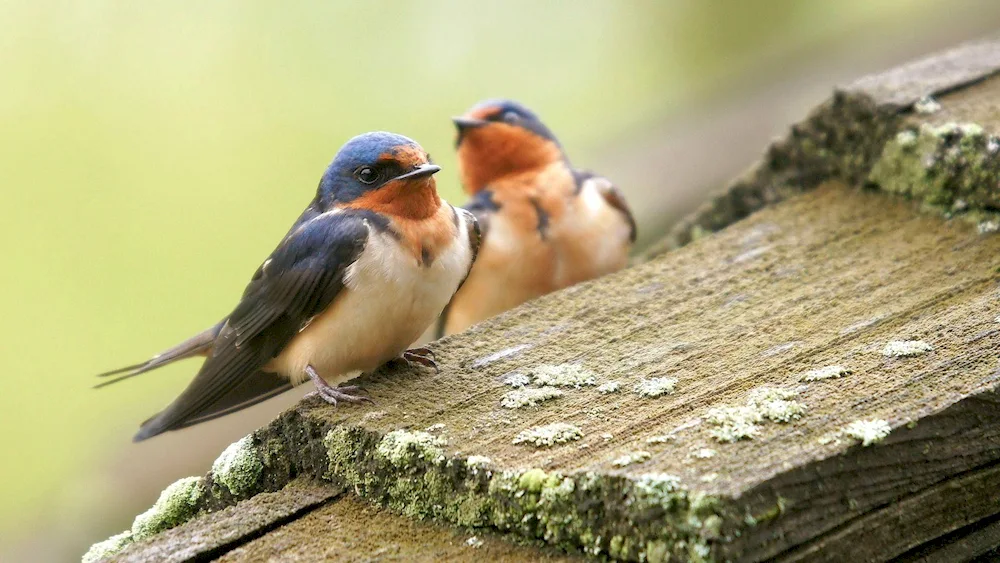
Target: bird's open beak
468,122
419,172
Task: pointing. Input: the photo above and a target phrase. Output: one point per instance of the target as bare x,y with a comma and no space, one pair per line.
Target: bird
364,270
545,224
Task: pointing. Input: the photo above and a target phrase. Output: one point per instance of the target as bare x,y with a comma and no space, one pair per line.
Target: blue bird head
503,111
372,162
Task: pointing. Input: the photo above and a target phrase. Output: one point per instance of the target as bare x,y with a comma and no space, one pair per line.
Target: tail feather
200,343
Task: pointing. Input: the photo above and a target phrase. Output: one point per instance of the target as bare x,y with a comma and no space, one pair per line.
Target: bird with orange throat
545,224
365,269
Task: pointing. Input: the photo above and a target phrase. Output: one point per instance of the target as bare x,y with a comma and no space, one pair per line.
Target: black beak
464,124
468,122
419,172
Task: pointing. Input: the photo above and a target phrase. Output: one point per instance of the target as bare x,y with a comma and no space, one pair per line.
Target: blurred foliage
153,152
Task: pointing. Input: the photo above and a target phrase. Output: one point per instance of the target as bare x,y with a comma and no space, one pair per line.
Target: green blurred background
152,152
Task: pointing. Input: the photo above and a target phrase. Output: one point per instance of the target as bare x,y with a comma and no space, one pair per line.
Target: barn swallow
546,225
365,269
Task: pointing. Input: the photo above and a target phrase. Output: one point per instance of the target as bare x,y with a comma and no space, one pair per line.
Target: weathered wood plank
825,278
896,307
352,530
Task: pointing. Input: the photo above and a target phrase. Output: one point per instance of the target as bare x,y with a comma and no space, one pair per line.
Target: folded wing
300,279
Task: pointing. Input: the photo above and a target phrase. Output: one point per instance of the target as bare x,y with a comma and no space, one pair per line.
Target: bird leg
333,395
421,356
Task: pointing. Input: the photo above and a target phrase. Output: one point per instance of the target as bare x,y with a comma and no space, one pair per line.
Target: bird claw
336,395
421,356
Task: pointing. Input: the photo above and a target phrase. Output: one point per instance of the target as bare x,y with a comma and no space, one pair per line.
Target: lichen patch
906,348
238,467
655,386
562,375
868,431
825,372
927,105
403,447
108,547
631,458
516,379
478,461
528,397
609,387
988,226
734,423
703,453
776,404
177,503
549,435
661,439
950,168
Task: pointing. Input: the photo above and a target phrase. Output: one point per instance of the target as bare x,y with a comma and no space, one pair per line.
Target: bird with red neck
364,270
546,225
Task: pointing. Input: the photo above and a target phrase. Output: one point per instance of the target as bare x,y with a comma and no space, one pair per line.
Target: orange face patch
411,199
496,149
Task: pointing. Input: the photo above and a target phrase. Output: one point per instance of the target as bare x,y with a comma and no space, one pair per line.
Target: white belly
388,300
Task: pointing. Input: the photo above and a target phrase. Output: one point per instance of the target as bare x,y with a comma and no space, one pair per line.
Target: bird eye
511,117
367,175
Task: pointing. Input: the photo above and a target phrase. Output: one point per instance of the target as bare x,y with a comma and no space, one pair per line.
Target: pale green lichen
403,447
562,375
660,439
534,503
631,458
950,168
238,467
831,438
656,386
177,503
906,138
703,453
776,404
478,461
529,397
905,348
987,227
549,435
825,372
868,431
708,477
474,542
927,105
516,380
731,424
609,387
108,547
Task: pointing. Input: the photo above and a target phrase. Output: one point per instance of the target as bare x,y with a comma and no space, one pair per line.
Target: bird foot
336,395
421,356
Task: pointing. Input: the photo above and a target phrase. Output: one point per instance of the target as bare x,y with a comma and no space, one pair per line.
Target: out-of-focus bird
365,269
546,225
